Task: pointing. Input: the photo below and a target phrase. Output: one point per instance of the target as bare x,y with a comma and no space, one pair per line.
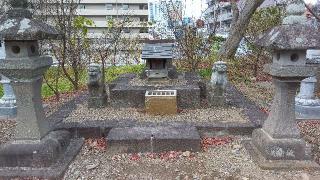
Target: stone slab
153,139
126,96
258,158
56,171
8,112
307,112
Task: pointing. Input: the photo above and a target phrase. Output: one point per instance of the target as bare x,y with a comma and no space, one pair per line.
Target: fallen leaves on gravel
265,110
97,144
215,141
135,157
163,156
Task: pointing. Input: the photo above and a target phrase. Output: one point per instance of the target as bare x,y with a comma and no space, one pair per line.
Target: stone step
153,139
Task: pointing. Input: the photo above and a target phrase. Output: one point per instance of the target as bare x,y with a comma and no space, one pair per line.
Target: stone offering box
160,102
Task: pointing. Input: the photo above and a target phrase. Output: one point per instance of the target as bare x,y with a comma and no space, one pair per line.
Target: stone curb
55,171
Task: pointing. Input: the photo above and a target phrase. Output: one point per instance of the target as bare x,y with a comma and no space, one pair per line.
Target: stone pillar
307,104
279,138
96,86
8,108
32,124
217,84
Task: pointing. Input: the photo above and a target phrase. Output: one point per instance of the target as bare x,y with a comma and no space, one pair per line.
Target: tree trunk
238,29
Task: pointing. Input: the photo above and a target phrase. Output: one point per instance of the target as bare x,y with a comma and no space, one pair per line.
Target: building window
82,6
109,7
143,19
125,6
126,30
143,30
108,18
144,6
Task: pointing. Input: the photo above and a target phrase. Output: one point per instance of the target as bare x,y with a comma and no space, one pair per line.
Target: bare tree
241,19
114,41
192,46
71,50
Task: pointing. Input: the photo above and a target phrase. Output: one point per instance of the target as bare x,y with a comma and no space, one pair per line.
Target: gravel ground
6,130
261,93
82,113
224,161
311,132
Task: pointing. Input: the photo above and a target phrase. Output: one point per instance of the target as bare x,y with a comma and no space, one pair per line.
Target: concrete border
92,128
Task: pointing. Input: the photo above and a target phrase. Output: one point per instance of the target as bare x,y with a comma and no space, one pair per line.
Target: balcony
101,24
114,1
124,35
225,17
93,12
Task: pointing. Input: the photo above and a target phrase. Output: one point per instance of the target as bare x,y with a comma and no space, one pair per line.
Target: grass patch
113,72
65,86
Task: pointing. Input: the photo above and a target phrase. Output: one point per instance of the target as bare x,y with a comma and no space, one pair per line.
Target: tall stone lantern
278,144
34,144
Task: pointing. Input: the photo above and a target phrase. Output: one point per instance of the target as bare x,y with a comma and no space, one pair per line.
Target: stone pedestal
8,108
307,105
215,95
279,144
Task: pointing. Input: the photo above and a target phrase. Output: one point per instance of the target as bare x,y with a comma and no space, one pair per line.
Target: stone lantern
278,144
34,144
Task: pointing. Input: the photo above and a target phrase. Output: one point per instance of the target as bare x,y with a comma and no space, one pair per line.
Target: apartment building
219,16
219,13
100,11
165,14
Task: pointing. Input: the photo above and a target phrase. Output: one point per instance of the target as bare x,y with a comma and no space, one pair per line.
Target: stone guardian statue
217,85
96,87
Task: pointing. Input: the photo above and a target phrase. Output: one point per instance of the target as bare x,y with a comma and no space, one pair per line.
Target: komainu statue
217,85
96,87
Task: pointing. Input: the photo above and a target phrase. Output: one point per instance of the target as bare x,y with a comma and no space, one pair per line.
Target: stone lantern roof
293,34
17,24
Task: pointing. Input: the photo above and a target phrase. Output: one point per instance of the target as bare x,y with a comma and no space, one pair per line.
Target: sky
194,8
310,1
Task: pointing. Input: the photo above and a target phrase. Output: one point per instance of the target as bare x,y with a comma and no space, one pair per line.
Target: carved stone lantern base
267,164
48,158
